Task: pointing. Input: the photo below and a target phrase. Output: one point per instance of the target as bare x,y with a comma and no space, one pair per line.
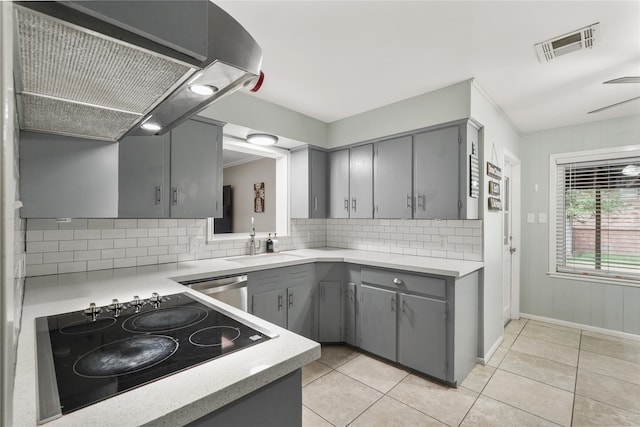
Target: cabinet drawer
428,285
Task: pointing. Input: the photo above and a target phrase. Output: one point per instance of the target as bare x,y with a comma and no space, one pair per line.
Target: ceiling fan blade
623,80
613,105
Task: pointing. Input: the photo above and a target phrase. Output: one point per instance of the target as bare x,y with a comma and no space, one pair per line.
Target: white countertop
188,395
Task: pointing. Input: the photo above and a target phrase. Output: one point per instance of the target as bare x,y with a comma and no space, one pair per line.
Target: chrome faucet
253,248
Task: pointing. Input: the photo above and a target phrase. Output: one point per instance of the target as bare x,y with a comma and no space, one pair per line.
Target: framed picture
494,171
258,197
494,188
495,204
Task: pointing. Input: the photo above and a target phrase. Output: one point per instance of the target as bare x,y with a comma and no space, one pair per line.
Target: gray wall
499,133
602,305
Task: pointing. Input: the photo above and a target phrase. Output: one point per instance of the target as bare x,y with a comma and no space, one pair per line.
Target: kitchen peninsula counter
195,392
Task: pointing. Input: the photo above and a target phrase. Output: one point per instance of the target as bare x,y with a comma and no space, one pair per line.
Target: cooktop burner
87,356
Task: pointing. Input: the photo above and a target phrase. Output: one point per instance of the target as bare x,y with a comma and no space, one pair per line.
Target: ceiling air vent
584,38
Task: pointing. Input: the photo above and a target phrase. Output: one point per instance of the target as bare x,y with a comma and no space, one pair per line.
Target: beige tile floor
542,375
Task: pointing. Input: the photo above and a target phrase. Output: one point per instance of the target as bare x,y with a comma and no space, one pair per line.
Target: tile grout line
575,384
329,422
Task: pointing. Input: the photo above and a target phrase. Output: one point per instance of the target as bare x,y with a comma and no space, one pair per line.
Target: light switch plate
542,217
531,218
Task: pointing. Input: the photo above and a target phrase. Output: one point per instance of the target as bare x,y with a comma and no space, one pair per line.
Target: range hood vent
584,38
81,74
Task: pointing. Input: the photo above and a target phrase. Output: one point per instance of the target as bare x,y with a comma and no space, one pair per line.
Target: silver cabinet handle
409,201
353,204
404,306
346,204
158,194
393,303
290,300
175,195
279,302
397,281
315,203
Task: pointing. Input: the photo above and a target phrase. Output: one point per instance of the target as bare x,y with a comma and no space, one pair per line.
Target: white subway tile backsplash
113,253
87,234
102,264
100,244
100,223
58,235
72,267
33,247
125,223
115,243
115,233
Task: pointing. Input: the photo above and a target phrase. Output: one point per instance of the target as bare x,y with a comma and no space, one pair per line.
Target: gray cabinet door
143,177
436,173
330,312
422,335
300,311
361,181
270,306
64,177
349,318
378,321
318,180
339,203
196,170
392,176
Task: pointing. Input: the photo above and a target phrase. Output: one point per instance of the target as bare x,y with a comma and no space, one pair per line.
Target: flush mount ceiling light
584,38
631,170
262,139
204,90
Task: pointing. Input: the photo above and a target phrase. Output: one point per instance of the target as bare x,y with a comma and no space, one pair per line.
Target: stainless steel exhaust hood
106,69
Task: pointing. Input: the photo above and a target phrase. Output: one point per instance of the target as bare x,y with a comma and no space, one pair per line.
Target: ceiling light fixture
151,126
262,139
631,170
204,90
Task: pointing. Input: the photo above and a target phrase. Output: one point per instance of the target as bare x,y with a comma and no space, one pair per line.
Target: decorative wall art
495,204
258,197
494,171
474,173
494,188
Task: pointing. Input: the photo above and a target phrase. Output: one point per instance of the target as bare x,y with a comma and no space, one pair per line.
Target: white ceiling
334,59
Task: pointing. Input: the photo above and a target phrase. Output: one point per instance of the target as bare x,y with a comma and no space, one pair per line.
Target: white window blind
598,218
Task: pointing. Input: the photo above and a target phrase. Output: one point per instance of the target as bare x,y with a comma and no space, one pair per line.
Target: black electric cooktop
89,355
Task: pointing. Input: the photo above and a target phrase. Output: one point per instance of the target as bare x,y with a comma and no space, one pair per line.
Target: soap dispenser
275,242
269,244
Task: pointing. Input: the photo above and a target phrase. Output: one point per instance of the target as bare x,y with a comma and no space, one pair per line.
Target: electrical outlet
196,244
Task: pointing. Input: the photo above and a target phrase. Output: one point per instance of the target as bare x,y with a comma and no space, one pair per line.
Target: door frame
516,229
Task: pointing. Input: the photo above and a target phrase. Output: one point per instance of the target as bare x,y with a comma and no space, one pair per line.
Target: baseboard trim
589,328
484,360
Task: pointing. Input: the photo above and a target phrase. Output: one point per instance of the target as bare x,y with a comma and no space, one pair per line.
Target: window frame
581,156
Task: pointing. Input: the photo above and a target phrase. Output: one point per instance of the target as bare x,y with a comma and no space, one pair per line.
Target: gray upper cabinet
196,170
361,181
144,177
392,194
309,183
339,203
64,177
435,174
177,175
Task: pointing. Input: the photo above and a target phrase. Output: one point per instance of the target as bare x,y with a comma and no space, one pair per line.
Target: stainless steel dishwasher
230,289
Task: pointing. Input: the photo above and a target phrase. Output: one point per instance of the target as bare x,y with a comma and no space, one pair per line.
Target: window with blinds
598,217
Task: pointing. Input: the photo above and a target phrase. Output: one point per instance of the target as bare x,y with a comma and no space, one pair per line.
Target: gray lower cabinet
392,193
65,177
349,310
285,297
270,307
177,175
378,321
330,308
422,339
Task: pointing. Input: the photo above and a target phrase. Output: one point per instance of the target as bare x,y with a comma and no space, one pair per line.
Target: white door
507,241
